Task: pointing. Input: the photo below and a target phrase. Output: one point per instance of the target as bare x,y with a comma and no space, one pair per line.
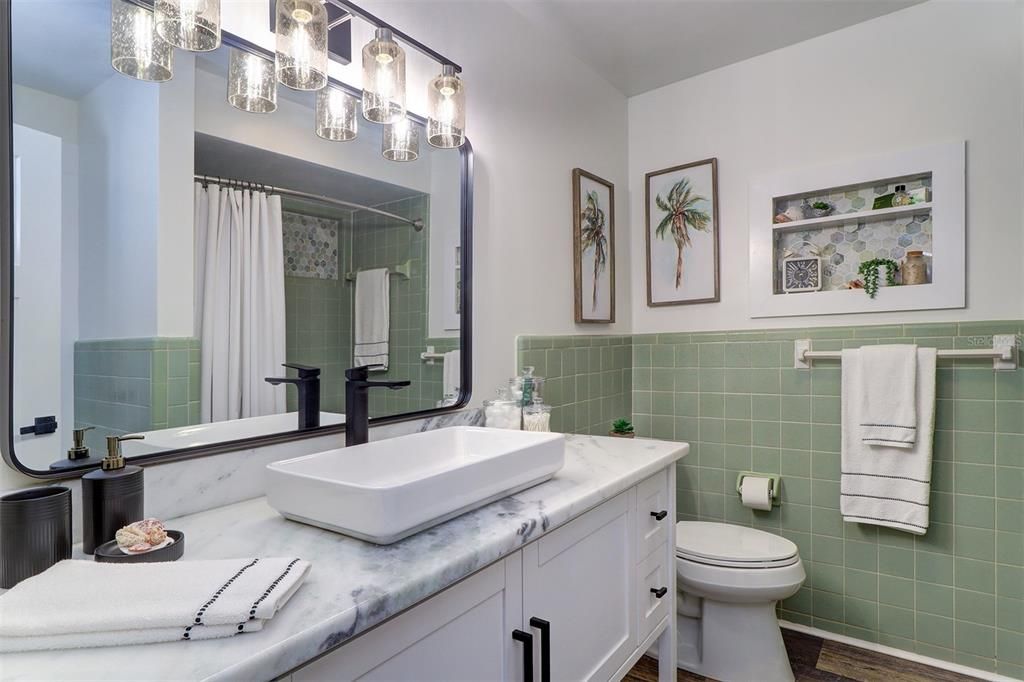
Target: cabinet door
463,633
581,578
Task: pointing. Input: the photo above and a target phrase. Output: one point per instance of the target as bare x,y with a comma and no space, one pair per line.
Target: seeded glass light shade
301,44
336,115
446,106
136,49
401,141
383,79
251,83
189,24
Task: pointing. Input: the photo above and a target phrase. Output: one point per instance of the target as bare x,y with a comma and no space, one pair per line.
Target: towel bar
1003,353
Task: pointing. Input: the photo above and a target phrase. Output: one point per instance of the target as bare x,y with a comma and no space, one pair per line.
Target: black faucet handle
305,371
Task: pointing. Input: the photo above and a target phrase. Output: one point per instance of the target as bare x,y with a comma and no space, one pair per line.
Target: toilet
729,580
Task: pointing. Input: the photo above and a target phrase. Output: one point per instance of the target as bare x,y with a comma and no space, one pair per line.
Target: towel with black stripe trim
888,401
887,484
76,604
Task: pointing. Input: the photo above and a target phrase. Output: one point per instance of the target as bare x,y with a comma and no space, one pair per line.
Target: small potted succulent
819,209
622,428
871,271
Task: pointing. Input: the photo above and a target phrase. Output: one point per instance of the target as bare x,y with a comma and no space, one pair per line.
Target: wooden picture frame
670,249
593,210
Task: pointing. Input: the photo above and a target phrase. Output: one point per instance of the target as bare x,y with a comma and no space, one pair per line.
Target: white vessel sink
387,490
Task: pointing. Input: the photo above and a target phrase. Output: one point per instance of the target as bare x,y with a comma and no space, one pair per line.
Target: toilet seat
730,546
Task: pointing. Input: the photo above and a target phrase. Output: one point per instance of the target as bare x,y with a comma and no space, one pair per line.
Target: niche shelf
855,231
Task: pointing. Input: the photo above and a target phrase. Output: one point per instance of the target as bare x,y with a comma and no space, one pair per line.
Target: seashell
141,535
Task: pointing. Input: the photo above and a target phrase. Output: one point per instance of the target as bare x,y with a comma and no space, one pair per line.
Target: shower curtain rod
417,224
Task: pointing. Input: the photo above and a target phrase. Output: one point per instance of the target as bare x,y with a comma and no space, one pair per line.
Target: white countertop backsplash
353,585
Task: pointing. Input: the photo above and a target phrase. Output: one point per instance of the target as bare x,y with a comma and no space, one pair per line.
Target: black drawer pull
545,647
660,516
660,592
527,639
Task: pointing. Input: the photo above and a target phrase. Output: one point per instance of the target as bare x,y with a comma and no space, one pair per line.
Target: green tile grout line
956,593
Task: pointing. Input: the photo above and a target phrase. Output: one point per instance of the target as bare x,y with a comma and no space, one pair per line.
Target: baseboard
897,653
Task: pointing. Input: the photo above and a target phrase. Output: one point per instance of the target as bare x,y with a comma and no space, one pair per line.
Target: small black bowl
109,552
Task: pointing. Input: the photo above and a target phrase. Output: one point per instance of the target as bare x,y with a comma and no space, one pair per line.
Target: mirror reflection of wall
112,262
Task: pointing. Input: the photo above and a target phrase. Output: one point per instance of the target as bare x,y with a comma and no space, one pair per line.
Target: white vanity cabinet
582,602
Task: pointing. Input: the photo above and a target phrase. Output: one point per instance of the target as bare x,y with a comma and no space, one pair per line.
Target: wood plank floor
815,659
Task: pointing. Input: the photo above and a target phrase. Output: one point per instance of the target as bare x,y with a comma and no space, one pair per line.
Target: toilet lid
725,544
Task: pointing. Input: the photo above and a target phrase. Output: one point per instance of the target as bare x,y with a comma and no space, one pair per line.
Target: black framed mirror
165,253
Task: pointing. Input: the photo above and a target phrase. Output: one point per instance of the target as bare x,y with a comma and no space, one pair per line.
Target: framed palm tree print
593,205
681,210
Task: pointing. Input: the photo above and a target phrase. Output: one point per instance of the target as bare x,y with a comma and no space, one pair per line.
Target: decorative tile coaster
310,246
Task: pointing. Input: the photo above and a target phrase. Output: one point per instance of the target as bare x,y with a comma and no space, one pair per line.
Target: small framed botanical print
802,273
593,206
681,211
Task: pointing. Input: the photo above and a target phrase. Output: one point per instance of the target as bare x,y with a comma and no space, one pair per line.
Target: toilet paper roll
755,492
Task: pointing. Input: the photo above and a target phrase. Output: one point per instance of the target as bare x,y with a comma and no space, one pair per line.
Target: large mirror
171,253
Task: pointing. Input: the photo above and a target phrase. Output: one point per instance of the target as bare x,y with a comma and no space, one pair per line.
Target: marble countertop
354,585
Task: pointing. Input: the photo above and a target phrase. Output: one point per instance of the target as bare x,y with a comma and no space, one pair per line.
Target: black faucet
357,402
308,383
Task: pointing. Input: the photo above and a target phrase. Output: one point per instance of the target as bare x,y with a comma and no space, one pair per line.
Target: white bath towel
888,401
883,485
372,318
451,377
78,604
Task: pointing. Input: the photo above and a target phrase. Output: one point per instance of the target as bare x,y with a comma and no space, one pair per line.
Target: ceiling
639,45
61,46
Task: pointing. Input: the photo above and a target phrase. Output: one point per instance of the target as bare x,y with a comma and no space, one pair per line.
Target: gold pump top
114,459
78,449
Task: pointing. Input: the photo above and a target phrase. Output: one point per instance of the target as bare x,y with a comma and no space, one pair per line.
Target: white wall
59,116
933,72
118,123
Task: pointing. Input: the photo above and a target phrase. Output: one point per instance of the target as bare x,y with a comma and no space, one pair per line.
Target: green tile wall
127,385
378,241
956,593
587,379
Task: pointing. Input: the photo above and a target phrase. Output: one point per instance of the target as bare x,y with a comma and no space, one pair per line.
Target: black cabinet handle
527,639
659,516
660,592
545,647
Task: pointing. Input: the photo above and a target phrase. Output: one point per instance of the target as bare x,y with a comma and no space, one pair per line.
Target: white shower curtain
239,288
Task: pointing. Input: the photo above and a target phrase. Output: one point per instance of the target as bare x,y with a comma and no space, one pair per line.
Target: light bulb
446,105
301,32
136,49
336,117
383,79
401,141
189,24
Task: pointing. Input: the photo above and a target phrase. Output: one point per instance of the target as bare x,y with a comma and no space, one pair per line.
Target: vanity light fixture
336,117
301,28
252,85
446,102
136,49
383,79
401,141
189,24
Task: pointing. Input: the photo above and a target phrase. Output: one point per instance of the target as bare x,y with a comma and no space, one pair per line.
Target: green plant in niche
869,271
822,205
622,426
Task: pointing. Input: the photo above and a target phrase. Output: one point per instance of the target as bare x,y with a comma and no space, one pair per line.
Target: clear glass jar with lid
503,412
537,416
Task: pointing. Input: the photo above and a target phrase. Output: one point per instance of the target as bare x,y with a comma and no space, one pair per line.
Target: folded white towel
372,318
78,604
883,485
888,401
451,377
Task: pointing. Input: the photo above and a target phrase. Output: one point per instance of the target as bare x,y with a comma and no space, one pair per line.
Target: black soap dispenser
112,496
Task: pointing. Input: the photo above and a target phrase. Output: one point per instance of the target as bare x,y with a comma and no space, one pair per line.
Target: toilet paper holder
773,485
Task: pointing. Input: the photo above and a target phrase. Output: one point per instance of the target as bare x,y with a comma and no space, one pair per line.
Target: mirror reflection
199,273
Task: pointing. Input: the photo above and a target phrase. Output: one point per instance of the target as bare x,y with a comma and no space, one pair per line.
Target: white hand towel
888,401
78,604
372,318
883,485
451,377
